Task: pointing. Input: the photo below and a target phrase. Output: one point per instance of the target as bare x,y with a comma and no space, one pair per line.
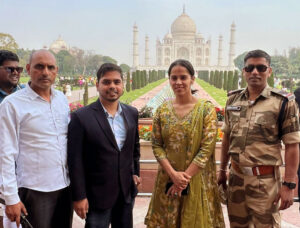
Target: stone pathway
203,94
77,95
290,217
143,100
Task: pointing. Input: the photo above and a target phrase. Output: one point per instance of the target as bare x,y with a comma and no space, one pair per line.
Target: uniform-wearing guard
257,120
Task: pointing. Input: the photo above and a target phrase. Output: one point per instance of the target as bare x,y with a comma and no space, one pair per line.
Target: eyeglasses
12,69
260,68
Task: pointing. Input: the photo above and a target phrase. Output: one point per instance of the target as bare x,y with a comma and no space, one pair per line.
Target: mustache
45,77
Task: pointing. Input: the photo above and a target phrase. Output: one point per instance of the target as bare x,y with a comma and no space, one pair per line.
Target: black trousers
119,216
48,209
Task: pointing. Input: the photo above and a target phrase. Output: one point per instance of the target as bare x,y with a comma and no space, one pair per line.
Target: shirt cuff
12,199
291,138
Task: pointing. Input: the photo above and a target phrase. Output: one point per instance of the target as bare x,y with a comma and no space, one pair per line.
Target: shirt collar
265,93
17,87
119,110
33,95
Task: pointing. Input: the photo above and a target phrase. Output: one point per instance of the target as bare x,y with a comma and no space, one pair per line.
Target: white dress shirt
33,143
117,125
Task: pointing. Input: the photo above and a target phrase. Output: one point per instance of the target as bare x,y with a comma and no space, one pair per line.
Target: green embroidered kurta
182,141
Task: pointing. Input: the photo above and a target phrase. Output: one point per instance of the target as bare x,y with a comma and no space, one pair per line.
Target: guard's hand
81,207
136,180
13,212
222,178
180,179
287,197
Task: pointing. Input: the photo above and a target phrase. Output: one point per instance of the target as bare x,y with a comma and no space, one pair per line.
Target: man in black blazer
103,155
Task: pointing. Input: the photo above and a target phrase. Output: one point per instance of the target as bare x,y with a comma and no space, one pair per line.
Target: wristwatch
290,185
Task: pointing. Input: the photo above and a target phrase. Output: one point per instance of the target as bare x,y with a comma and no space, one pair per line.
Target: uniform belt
261,170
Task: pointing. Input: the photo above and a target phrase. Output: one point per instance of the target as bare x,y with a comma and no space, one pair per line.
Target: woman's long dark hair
187,65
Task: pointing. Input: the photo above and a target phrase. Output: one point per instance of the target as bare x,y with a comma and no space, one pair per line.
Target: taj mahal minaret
135,46
231,46
146,50
220,51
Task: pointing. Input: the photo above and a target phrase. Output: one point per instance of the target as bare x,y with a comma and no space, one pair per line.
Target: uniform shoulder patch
234,92
289,96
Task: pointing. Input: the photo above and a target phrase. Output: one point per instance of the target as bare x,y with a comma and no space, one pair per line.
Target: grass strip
219,95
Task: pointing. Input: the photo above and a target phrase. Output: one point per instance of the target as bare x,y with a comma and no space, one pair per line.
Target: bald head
41,52
42,70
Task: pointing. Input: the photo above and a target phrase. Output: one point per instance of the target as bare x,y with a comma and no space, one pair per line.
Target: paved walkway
77,95
143,100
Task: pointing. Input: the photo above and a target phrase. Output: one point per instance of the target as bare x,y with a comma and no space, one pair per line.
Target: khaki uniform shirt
253,127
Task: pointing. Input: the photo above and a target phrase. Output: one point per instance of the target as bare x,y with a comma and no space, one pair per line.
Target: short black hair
6,55
257,54
184,63
108,67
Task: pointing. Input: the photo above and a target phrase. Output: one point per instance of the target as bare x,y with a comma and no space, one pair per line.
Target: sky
105,26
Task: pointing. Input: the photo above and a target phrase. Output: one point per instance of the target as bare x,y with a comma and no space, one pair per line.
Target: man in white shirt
33,166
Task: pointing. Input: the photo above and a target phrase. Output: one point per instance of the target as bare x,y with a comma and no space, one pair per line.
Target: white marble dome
58,45
183,27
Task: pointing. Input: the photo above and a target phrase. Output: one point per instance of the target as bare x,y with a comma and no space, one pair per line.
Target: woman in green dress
183,141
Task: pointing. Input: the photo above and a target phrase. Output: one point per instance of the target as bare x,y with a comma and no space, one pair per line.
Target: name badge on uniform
233,108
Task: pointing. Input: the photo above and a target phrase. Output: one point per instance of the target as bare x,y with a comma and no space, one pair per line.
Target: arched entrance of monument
183,53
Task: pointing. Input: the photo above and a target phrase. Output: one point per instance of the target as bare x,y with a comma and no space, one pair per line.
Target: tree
128,82
86,94
221,76
271,80
235,82
125,67
211,78
133,85
243,82
107,59
229,81
216,78
280,65
138,79
239,61
225,80
7,42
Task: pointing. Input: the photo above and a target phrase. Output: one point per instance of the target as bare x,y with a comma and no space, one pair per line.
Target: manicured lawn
219,95
128,97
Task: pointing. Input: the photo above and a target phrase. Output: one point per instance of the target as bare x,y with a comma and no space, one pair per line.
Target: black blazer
98,170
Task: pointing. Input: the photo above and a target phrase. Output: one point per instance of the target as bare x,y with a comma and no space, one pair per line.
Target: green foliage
145,112
225,80
230,81
7,42
108,59
271,80
235,84
86,94
211,78
239,61
125,67
133,85
138,79
216,78
220,81
128,81
243,82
